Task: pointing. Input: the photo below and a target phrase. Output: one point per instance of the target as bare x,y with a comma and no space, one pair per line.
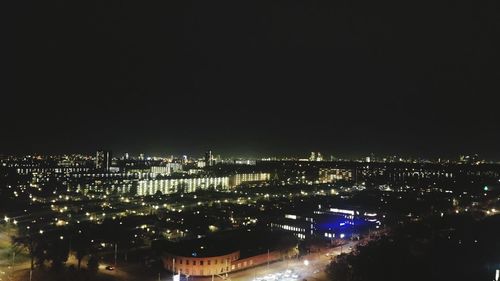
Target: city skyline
250,140
321,156
126,217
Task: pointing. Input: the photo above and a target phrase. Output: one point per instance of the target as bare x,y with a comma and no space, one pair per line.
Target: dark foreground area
450,248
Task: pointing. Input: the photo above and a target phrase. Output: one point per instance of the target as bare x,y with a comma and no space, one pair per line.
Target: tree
81,246
31,241
93,264
58,252
340,270
425,250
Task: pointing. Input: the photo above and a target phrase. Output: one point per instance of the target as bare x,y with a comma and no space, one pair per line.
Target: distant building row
172,185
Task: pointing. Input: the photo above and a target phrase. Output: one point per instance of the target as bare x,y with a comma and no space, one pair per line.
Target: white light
342,211
306,262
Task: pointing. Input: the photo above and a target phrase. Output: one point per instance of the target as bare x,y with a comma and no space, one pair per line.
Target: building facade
200,266
238,179
329,175
192,184
172,185
216,265
103,160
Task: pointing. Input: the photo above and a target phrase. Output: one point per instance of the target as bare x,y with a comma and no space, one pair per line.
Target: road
310,267
314,270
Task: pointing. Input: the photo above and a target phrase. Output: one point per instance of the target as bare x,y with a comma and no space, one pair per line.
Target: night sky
251,78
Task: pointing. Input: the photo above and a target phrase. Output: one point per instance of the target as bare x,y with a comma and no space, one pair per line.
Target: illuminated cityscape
250,140
147,217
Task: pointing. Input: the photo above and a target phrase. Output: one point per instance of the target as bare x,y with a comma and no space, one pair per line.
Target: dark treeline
449,248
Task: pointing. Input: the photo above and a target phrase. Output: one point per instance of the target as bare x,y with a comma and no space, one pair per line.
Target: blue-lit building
331,223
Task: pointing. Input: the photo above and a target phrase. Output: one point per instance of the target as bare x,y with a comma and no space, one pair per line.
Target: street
310,267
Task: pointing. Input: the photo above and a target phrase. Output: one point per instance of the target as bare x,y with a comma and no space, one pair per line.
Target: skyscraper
209,160
103,160
316,156
312,157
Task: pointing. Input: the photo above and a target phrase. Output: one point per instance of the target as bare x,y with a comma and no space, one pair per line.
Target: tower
312,157
209,160
103,160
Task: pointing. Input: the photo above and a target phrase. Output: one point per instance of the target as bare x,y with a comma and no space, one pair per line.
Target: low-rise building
226,252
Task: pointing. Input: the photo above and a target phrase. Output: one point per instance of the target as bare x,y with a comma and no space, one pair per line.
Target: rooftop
248,241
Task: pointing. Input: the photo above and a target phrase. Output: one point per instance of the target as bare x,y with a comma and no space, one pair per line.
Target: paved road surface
313,271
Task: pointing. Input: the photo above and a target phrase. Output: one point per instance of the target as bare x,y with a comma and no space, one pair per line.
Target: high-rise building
103,160
316,156
168,169
319,157
209,159
312,157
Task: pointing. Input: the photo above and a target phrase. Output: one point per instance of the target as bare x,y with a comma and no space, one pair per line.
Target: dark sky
252,77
